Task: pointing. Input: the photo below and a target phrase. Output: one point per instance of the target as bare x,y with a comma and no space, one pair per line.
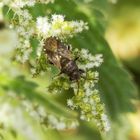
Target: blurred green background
114,31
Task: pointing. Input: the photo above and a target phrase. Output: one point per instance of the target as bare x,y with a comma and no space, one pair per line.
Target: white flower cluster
86,98
61,123
35,111
58,27
105,121
16,4
90,61
43,28
40,114
86,95
24,25
25,29
13,117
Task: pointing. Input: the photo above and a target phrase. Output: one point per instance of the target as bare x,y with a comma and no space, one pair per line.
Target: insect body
60,56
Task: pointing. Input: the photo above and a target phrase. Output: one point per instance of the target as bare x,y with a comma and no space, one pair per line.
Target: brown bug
60,56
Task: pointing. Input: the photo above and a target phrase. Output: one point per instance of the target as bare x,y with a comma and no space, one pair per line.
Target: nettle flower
85,97
13,117
47,119
23,24
56,26
17,4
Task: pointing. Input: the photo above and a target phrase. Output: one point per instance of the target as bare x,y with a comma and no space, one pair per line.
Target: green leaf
27,89
116,86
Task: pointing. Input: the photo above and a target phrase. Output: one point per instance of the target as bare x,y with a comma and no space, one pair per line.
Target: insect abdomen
70,68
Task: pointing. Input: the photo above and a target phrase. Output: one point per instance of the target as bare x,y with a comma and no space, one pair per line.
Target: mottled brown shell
60,56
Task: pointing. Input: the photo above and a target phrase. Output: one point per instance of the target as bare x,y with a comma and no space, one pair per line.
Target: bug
61,56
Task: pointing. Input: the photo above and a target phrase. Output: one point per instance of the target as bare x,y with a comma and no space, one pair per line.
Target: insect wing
55,60
64,52
51,45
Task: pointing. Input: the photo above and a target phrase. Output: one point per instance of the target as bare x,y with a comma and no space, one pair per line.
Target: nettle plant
77,70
